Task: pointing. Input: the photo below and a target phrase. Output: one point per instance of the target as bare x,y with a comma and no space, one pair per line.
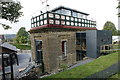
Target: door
39,54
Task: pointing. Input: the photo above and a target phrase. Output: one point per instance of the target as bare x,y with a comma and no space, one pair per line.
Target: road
23,59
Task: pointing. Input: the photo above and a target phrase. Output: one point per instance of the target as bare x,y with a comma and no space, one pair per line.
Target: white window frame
65,47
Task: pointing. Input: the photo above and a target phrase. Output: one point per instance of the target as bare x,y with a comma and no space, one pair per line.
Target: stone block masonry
53,57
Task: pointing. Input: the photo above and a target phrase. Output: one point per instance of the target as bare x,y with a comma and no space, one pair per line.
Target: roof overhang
62,26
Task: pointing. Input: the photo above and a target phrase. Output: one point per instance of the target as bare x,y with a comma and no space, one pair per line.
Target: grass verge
85,70
115,77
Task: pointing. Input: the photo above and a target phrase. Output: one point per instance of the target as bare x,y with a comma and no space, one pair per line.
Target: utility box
95,39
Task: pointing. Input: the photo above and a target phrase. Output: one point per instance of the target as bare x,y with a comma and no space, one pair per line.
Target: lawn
85,70
115,76
116,46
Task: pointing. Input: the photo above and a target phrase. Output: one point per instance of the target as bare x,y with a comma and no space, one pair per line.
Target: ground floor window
64,48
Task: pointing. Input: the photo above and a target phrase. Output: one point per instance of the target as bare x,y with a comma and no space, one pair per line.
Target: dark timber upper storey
63,17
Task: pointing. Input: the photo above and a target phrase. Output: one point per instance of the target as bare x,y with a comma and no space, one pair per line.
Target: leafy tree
118,32
10,11
118,7
110,26
22,36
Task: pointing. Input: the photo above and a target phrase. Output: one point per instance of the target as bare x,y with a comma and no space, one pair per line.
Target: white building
115,39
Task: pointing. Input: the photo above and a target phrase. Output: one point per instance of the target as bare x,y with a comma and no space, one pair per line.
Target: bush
23,46
63,66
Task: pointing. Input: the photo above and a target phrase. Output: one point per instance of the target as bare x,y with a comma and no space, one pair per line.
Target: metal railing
60,19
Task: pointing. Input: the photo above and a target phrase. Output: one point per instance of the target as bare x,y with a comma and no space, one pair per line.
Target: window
37,23
68,23
51,21
37,18
45,21
66,12
80,15
62,17
67,18
45,15
72,18
62,22
58,11
75,24
107,48
72,23
64,50
84,16
74,14
75,19
57,22
102,40
41,17
57,16
51,15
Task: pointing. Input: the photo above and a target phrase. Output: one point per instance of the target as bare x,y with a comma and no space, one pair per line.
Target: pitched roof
8,46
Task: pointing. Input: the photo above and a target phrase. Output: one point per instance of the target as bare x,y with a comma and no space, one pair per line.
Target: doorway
80,45
39,54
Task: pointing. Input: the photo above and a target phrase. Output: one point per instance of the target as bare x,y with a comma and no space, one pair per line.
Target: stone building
55,48
54,37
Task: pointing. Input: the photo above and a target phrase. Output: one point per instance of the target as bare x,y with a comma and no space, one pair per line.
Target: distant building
115,39
63,36
2,37
9,37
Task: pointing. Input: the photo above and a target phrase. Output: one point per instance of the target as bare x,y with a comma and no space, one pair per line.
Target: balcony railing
60,19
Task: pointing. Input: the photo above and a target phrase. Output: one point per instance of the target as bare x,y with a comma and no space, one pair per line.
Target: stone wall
52,48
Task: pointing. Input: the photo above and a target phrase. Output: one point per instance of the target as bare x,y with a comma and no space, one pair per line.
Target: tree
118,32
110,26
10,11
22,36
118,7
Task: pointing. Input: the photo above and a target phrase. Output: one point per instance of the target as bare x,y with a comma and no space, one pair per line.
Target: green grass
117,46
114,76
85,70
23,47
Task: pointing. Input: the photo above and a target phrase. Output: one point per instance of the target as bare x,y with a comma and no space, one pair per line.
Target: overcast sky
99,10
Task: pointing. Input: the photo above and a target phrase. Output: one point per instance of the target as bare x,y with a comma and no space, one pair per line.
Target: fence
109,48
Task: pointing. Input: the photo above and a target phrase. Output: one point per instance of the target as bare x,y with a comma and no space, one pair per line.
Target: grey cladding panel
91,43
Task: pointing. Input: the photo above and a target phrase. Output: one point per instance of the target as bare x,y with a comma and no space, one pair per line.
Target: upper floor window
74,14
58,11
66,12
80,15
84,16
